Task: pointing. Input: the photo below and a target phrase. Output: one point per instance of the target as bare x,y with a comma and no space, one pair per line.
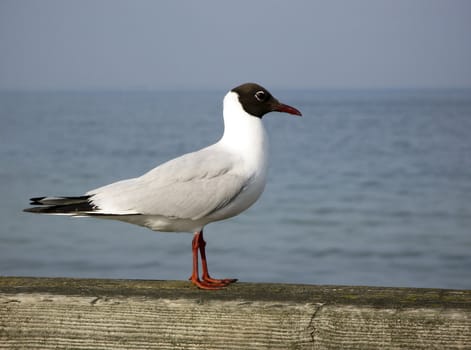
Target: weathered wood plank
46,313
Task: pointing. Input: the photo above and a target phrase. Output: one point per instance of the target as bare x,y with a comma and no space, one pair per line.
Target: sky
116,44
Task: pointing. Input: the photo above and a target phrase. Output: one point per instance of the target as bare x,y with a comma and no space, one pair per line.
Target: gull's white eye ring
260,95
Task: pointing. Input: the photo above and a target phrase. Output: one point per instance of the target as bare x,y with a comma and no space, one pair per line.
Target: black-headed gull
188,192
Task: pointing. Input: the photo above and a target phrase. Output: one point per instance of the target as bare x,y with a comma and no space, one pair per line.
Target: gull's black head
257,101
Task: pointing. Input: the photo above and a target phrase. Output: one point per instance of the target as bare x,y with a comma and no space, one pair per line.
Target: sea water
367,188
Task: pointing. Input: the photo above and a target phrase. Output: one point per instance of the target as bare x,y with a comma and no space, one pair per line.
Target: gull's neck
244,134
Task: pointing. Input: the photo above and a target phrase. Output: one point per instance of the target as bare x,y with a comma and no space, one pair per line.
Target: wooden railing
63,313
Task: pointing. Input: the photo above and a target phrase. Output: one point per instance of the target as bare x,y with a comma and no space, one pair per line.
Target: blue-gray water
368,188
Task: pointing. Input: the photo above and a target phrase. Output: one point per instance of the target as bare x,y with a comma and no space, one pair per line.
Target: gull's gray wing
189,187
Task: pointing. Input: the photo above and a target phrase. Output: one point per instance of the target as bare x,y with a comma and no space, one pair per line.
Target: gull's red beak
280,107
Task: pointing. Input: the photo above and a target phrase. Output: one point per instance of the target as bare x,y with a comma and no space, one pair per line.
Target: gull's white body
188,192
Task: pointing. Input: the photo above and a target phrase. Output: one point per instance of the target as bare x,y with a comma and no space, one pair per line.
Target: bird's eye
260,95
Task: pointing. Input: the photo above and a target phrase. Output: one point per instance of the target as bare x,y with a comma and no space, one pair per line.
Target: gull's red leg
194,247
204,264
195,274
198,244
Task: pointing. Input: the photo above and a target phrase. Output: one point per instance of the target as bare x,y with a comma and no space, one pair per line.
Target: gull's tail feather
61,205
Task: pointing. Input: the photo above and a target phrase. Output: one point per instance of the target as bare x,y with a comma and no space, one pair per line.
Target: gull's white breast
245,137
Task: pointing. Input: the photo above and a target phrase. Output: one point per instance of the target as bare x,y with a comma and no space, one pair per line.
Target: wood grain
58,313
